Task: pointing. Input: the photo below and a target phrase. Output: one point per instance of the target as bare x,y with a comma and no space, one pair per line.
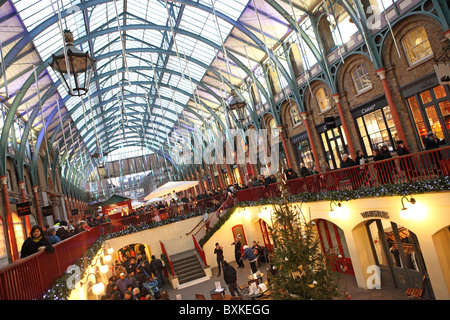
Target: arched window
416,45
361,78
322,100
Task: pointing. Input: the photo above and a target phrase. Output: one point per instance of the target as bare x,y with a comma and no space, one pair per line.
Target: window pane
434,122
426,97
439,92
420,124
416,45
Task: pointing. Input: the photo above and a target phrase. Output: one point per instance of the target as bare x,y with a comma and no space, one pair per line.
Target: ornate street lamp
237,105
76,71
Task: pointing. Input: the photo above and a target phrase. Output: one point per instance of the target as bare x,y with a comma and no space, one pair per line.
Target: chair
253,280
199,296
417,292
216,296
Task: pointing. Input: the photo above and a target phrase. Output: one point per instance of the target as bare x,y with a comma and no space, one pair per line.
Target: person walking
230,278
157,269
218,251
122,284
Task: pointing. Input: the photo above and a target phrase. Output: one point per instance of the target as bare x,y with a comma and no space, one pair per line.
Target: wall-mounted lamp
107,252
412,201
98,288
333,213
103,267
408,213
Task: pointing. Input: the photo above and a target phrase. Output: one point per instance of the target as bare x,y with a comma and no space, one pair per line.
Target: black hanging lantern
238,105
80,66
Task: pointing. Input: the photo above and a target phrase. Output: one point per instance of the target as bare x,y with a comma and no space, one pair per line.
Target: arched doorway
397,253
333,242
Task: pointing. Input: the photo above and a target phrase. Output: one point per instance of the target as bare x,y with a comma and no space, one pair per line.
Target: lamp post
73,67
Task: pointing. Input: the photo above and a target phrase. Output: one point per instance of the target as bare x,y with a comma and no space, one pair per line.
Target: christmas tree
299,269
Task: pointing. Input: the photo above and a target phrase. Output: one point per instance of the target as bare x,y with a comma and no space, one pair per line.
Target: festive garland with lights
387,190
60,291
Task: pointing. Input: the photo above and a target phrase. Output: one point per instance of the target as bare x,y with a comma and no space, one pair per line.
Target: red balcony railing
116,225
30,278
415,167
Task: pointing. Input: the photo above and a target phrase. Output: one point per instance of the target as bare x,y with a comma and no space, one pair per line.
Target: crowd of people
384,172
135,277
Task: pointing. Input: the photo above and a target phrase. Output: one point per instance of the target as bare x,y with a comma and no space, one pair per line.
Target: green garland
59,291
387,190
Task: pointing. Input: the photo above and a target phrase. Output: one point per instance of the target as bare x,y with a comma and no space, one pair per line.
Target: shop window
377,129
322,99
416,45
335,145
2,241
361,79
18,230
430,111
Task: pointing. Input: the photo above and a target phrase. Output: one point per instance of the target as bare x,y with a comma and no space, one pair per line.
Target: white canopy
136,203
154,200
171,186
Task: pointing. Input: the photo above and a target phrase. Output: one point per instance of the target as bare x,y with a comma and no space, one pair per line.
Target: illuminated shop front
375,125
429,108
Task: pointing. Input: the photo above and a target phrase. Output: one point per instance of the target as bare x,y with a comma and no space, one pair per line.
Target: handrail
163,249
208,218
421,166
214,218
31,277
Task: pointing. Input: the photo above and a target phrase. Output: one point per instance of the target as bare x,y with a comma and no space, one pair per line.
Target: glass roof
160,64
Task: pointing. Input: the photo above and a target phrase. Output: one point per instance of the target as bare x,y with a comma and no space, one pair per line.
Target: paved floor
348,282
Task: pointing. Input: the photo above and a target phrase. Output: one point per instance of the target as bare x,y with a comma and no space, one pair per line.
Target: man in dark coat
237,252
157,269
230,278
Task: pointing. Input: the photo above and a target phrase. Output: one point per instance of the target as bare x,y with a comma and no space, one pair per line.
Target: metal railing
148,217
31,277
421,166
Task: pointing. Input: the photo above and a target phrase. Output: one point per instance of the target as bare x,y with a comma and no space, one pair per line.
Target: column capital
381,73
21,184
447,34
3,179
35,188
336,97
303,115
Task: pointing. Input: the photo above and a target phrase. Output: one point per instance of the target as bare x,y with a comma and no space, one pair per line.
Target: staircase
187,267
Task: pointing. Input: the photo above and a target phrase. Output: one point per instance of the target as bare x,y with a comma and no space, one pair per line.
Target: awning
115,199
169,187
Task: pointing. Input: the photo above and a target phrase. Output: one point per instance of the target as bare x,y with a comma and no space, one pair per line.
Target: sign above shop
375,214
47,211
23,208
443,73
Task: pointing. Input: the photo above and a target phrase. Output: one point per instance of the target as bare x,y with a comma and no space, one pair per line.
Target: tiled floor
349,282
